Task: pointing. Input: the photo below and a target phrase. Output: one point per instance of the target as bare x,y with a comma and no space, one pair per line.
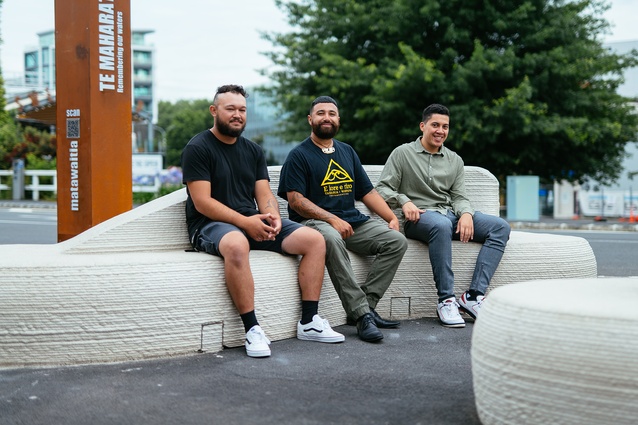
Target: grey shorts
212,233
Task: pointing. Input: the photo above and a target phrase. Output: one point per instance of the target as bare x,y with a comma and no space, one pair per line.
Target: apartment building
37,87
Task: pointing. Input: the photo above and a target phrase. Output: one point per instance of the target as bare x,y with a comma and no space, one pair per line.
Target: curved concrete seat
129,289
528,255
558,352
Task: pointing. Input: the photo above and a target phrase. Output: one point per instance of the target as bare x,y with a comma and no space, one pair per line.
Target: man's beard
324,133
229,131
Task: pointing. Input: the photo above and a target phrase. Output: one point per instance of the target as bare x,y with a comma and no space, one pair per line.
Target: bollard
18,179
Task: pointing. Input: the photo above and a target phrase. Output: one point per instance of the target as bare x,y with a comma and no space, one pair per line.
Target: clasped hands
263,227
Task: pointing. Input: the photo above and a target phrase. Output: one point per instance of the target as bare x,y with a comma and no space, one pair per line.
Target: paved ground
419,374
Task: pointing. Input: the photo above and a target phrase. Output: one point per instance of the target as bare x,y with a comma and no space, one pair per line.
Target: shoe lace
317,324
479,301
259,336
326,324
451,307
368,318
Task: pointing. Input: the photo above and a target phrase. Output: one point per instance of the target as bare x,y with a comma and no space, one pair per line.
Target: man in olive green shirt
427,180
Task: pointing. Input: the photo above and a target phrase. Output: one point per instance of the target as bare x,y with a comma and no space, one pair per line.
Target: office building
263,124
37,88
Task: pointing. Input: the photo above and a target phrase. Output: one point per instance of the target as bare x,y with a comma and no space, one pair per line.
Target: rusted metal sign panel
93,73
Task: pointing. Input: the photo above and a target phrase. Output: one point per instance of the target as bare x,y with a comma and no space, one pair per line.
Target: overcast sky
199,44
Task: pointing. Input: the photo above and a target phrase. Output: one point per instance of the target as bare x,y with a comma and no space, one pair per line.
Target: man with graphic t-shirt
230,210
321,179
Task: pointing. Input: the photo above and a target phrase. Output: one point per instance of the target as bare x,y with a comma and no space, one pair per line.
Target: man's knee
234,247
398,242
333,239
499,229
441,228
503,230
310,240
498,233
428,228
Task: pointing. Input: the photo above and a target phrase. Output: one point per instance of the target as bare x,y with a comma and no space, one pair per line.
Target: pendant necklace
327,150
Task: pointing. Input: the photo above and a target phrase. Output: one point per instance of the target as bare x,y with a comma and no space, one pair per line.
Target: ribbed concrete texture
558,352
129,288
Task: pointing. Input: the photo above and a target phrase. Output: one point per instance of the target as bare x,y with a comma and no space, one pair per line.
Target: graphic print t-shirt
331,181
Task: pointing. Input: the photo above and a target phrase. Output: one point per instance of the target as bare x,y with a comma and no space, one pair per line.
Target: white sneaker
318,330
257,343
449,315
471,307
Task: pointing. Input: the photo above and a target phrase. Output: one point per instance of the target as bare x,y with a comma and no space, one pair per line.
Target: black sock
472,294
249,320
308,310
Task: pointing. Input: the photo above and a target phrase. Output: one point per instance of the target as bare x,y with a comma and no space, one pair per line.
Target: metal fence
30,180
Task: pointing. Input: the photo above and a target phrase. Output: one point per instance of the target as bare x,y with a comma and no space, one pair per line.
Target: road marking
31,223
610,241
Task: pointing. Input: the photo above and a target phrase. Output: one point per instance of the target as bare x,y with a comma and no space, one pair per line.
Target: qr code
72,128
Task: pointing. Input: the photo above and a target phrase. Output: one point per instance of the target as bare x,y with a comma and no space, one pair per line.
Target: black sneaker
367,329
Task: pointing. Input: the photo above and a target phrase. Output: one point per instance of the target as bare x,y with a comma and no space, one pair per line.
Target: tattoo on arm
272,204
307,209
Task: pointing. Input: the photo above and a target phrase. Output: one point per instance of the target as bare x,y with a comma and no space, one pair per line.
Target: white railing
5,173
35,187
33,184
33,181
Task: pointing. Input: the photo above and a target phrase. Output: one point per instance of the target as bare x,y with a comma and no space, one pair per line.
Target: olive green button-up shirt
431,181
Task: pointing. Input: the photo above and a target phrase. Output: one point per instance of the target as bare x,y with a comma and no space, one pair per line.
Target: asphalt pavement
419,374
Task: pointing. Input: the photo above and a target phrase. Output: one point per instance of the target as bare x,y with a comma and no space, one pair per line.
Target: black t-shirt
232,171
331,181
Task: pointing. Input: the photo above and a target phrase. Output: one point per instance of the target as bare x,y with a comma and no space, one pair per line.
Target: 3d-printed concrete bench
128,288
558,352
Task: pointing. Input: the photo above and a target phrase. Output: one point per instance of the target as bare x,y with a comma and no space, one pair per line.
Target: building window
142,91
31,61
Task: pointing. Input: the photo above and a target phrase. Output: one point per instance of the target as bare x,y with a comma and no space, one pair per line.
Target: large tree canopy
530,87
182,120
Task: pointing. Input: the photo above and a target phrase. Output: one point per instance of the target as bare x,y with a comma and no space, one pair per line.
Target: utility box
522,198
564,200
18,179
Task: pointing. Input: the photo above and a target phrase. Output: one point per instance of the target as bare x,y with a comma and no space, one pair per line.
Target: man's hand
411,212
262,227
394,224
343,227
275,223
465,227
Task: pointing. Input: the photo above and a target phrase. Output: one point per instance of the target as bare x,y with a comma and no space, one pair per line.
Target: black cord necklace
328,149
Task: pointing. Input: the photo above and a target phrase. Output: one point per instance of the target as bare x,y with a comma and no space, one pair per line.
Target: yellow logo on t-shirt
337,181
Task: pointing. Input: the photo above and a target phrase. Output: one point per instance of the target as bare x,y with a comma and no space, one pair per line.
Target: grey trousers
370,238
437,230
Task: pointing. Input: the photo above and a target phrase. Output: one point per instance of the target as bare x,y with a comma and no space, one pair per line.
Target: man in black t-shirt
230,210
321,179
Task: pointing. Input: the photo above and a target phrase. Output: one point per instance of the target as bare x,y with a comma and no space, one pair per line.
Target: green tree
9,137
182,120
530,87
38,147
8,130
